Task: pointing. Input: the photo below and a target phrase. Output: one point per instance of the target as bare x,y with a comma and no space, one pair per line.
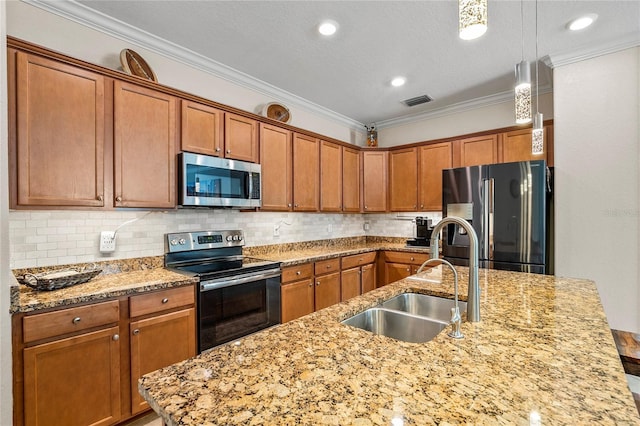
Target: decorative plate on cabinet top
132,63
277,111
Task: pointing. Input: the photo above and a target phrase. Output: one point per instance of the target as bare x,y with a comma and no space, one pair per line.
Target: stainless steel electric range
238,295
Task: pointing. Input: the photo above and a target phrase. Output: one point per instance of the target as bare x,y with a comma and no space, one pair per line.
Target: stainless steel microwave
206,181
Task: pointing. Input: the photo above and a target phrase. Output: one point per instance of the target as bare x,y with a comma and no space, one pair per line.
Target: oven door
233,307
218,182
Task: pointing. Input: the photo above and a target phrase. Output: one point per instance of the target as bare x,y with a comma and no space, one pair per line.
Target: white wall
6,407
488,117
597,128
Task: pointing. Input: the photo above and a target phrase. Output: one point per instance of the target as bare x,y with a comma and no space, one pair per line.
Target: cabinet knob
311,284
289,205
365,207
318,283
415,207
99,197
228,151
422,206
413,258
165,300
408,269
298,272
76,320
116,337
328,266
118,198
295,205
136,331
217,149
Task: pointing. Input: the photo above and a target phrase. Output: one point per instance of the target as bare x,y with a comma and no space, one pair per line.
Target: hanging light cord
522,26
537,58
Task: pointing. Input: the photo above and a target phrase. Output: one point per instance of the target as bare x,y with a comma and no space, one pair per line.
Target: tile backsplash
53,237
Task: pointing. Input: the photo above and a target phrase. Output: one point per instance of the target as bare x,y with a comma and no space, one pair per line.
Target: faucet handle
455,324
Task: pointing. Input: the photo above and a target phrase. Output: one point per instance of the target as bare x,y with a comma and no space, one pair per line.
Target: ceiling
277,43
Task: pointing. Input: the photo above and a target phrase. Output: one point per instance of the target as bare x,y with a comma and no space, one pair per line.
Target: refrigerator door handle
487,218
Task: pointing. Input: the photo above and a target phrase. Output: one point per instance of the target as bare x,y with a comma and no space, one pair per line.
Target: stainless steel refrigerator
510,206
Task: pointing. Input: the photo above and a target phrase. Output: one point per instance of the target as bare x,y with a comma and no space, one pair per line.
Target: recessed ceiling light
327,28
582,22
398,81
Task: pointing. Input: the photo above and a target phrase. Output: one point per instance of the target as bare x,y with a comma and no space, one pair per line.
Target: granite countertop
104,286
542,354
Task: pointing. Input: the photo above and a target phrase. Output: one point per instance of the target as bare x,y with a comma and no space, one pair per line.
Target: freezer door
518,213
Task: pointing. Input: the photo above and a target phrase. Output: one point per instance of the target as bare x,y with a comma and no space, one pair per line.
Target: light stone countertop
542,354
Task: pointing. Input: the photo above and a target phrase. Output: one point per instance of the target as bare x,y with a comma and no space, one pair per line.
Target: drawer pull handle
165,300
136,331
116,337
76,320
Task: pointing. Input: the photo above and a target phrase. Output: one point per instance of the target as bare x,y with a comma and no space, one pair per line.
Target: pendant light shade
523,93
472,18
537,135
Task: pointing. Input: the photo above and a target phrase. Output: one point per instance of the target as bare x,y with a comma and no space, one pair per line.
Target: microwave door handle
249,185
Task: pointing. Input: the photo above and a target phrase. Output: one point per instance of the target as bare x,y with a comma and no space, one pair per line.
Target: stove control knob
236,237
239,237
182,241
173,242
229,238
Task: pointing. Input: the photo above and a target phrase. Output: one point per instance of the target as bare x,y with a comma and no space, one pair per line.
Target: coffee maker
423,232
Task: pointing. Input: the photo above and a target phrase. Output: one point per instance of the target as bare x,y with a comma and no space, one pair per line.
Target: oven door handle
226,282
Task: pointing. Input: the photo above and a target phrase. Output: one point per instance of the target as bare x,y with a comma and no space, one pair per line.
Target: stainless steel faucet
473,296
455,311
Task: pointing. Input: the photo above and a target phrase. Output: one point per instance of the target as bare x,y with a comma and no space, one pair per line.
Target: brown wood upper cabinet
330,177
276,162
403,179
432,160
202,129
350,180
306,174
479,150
144,147
374,177
60,139
240,138
516,146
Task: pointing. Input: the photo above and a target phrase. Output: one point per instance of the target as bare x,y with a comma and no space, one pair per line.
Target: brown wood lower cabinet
358,274
77,366
400,265
327,290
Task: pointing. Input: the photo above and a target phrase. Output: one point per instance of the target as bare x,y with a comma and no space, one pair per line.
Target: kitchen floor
150,419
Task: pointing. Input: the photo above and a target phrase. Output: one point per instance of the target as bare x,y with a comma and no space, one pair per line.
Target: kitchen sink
398,325
432,307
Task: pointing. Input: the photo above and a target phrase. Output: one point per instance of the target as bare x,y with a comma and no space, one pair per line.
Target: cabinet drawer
160,301
298,272
327,266
349,262
57,323
411,258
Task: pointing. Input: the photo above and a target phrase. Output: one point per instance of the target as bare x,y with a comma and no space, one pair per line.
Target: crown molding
98,21
560,59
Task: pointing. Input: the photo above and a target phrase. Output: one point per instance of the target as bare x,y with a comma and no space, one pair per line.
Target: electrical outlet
107,241
330,228
276,230
366,225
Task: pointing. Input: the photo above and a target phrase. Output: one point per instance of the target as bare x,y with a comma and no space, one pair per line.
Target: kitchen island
542,354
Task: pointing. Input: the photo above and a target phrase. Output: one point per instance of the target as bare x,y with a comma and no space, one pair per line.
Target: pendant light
537,133
472,18
523,83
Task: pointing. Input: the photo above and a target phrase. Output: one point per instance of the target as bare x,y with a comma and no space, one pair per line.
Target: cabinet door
60,134
350,284
306,173
479,150
516,146
275,159
374,178
158,342
403,179
396,271
73,381
240,138
433,159
202,129
297,299
368,277
327,290
330,177
350,180
144,148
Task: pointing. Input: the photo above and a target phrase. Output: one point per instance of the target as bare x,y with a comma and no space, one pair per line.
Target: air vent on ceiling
417,100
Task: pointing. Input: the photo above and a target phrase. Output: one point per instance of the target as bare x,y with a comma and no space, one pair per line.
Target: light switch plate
107,241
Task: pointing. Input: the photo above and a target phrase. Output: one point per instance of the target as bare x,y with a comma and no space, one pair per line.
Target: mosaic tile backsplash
52,237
